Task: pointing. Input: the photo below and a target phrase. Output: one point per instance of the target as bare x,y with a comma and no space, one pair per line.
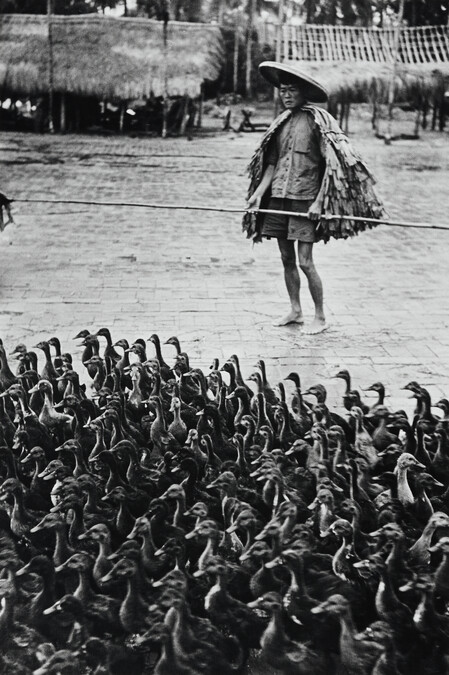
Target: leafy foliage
58,6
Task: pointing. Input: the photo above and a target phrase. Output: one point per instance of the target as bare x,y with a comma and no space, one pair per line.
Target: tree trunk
125,7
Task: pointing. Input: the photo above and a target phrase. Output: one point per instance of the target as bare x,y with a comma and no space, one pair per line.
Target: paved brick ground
194,275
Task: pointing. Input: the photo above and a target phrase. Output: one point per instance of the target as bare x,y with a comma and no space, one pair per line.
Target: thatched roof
353,61
106,57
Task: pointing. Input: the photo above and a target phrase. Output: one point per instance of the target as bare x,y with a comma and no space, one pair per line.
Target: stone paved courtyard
193,274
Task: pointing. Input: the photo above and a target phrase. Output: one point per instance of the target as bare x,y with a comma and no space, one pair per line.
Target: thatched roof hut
109,58
354,62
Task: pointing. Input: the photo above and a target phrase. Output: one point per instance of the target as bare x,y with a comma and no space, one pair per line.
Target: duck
49,416
363,444
357,655
350,394
278,650
177,428
418,554
109,351
166,371
7,377
405,462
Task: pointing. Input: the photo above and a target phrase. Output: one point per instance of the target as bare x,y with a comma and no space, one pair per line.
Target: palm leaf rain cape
347,187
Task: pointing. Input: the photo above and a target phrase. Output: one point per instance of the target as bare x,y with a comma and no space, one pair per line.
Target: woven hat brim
314,91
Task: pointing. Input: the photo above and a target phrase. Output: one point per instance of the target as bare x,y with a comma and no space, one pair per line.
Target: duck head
336,604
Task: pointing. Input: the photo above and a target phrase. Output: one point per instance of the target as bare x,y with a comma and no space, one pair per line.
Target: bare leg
292,282
307,266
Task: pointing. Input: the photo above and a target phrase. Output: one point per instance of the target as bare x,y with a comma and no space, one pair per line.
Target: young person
287,172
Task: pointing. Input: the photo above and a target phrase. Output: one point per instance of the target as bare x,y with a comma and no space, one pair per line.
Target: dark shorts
289,227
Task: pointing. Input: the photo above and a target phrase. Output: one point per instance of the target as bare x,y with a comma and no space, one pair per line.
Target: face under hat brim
273,71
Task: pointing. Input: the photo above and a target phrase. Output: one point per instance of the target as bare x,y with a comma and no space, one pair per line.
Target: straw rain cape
347,187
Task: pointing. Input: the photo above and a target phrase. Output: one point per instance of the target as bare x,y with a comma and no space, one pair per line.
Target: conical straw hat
273,70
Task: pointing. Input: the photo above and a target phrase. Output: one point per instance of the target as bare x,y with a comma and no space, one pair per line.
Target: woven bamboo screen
422,44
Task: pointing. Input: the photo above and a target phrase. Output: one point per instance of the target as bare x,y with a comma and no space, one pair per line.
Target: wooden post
185,116
397,35
165,94
249,50
62,114
51,126
200,107
278,50
122,116
235,72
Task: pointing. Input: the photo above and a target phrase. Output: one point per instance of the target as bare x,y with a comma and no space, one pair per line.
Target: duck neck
421,453
8,602
326,517
425,613
410,440
47,595
274,634
348,644
100,445
442,573
77,523
62,549
441,453
340,456
180,508
80,466
386,599
209,550
249,436
83,591
339,560
131,605
262,418
250,530
217,589
405,495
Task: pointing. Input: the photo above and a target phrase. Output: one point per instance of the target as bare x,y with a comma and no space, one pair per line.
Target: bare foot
292,317
317,326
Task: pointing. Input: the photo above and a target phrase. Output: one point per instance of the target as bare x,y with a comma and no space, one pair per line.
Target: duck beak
319,610
273,563
33,390
52,609
434,549
190,535
375,534
313,505
232,528
22,571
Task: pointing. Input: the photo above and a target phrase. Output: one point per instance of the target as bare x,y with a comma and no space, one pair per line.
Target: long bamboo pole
215,209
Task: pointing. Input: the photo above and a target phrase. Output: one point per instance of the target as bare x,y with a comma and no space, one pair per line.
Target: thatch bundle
105,57
360,82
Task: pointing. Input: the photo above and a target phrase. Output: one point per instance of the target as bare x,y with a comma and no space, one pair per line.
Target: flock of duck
161,519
